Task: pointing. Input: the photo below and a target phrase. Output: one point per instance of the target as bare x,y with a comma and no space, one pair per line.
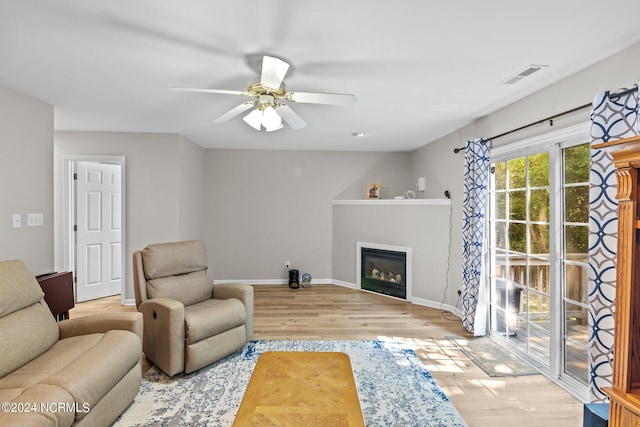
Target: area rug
492,358
394,388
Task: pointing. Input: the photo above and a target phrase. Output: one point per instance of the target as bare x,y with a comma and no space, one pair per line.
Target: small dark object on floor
595,415
294,282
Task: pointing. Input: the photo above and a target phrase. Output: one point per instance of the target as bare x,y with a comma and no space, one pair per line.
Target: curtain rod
550,118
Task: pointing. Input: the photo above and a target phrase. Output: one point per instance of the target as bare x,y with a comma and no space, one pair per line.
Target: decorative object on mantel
407,195
373,191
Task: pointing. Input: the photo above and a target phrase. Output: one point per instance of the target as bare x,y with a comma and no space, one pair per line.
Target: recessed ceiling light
358,134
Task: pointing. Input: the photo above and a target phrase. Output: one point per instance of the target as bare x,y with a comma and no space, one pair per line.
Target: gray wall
163,186
444,170
423,228
191,170
266,207
26,169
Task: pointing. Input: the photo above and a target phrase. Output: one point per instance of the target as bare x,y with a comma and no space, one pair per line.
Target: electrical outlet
287,264
16,220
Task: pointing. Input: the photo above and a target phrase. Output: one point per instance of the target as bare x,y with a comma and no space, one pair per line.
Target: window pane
500,176
500,229
576,283
539,276
576,239
518,205
538,308
539,239
540,339
576,164
539,205
539,170
517,269
500,267
507,301
536,311
577,204
500,205
517,172
576,351
517,237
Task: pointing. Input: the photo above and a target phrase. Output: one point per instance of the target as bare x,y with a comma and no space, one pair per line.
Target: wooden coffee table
297,388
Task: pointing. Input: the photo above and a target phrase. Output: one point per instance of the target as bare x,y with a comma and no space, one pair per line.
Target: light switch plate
35,219
16,220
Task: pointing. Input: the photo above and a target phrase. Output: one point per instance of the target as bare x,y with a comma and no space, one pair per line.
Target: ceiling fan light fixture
270,119
254,119
280,126
267,92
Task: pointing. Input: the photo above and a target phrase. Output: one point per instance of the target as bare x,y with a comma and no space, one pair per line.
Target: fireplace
384,269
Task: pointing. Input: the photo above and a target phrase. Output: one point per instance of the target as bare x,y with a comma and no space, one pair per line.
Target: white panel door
99,230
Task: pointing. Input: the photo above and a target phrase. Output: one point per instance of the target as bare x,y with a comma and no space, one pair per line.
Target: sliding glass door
521,267
575,260
538,258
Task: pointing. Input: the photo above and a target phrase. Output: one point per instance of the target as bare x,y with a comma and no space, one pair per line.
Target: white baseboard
267,281
343,284
254,282
437,305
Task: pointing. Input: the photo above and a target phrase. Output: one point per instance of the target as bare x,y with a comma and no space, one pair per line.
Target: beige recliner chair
189,322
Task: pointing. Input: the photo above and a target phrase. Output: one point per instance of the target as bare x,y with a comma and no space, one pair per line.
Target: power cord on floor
446,314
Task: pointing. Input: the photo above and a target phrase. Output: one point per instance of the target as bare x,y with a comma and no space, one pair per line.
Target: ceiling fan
269,93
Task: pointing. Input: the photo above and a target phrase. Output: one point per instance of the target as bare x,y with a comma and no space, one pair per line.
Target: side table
58,293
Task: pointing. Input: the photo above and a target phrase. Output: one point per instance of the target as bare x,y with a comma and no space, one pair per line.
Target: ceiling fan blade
223,91
289,116
321,98
235,111
273,72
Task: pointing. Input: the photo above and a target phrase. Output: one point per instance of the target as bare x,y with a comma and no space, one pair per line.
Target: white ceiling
419,69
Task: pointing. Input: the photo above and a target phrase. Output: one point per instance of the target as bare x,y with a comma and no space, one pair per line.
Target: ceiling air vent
526,72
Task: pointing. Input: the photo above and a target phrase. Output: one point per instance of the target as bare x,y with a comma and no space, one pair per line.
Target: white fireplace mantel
392,202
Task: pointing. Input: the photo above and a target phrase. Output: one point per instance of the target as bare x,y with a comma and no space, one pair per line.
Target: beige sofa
189,322
82,371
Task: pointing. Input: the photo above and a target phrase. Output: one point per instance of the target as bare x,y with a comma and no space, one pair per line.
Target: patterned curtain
476,183
611,119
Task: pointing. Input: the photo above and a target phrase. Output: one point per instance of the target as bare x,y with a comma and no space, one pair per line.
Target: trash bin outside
509,295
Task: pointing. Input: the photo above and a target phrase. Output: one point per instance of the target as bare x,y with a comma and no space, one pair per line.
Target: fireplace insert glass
384,272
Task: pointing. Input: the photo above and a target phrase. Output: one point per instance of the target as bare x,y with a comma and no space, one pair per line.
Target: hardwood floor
334,312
